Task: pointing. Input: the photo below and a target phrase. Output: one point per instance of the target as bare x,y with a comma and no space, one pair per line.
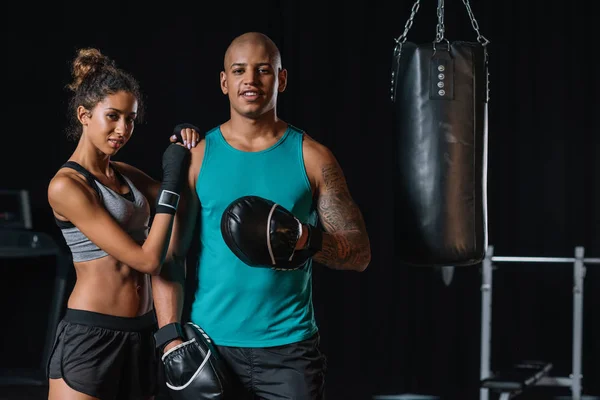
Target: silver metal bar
561,381
505,396
535,259
578,276
566,260
486,320
579,263
26,209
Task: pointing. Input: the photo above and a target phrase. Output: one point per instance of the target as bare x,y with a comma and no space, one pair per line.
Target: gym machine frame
579,268
18,241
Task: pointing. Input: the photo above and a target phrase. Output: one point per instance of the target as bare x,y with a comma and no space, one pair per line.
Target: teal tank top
238,305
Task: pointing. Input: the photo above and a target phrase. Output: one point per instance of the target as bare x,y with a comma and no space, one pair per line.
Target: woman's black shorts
105,356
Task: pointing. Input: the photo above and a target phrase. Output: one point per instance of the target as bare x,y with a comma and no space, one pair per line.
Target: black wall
393,328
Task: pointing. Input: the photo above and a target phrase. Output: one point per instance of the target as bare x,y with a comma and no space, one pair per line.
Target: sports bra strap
87,174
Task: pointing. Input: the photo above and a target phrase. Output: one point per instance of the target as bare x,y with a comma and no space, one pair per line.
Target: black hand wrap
194,369
175,167
179,127
261,233
167,334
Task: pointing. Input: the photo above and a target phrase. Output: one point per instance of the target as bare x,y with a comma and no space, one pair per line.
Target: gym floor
41,393
33,393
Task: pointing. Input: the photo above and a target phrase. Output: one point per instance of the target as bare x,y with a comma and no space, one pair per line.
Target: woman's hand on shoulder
186,134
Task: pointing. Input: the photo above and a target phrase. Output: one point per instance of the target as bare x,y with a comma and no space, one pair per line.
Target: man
260,316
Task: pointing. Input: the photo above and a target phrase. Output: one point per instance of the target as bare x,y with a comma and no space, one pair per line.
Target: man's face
252,79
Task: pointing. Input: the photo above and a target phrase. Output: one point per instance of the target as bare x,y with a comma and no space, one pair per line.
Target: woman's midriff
107,286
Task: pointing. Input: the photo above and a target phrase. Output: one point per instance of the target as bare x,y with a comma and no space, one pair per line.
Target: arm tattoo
345,241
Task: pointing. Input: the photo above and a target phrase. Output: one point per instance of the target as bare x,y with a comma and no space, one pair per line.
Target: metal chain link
480,38
440,28
440,32
415,8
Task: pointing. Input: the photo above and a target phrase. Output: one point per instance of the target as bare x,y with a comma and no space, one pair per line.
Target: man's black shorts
106,356
294,371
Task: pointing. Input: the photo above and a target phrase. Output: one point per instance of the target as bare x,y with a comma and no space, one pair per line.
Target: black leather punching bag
440,95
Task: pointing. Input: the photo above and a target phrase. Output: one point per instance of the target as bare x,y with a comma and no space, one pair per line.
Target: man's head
252,75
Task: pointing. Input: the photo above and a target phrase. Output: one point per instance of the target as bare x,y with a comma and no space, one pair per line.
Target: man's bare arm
168,287
345,241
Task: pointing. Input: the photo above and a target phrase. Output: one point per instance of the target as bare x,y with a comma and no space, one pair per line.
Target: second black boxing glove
262,233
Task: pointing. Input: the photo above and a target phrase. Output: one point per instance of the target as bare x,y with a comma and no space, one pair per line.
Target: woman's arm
71,197
147,185
168,286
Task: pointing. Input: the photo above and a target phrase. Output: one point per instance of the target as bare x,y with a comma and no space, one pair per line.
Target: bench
512,382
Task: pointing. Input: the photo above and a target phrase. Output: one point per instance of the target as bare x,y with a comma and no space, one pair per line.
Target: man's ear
282,80
83,115
223,79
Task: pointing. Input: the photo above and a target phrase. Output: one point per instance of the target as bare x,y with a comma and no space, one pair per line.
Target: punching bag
440,95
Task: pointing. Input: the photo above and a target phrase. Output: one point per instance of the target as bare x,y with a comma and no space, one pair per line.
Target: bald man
256,170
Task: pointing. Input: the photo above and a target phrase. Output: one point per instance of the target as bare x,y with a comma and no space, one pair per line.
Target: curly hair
96,76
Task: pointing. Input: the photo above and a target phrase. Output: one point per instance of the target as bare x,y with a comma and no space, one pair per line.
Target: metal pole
535,259
579,269
578,276
486,319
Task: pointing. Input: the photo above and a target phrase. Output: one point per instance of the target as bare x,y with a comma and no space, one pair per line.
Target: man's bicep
337,210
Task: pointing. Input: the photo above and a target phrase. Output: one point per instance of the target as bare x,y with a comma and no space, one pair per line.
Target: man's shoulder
316,154
212,131
312,145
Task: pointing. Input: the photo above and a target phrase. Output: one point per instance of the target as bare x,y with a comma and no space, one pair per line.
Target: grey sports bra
130,210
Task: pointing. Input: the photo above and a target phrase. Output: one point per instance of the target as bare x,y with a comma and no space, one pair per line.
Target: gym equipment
440,94
406,396
15,210
514,381
18,242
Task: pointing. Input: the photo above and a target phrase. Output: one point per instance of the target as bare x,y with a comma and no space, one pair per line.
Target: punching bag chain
480,38
402,38
439,29
440,32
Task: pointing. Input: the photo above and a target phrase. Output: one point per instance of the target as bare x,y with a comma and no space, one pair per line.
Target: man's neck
267,126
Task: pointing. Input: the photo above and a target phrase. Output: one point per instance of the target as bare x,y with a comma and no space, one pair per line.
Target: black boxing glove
175,164
261,233
194,369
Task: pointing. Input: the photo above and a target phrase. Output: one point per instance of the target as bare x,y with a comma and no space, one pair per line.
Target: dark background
393,328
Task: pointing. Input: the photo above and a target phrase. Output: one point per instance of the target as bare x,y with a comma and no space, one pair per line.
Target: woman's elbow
151,266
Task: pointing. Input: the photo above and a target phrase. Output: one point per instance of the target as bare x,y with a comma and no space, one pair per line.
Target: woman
104,347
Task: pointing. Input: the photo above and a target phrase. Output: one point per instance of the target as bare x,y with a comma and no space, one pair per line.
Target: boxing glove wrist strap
314,240
167,334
